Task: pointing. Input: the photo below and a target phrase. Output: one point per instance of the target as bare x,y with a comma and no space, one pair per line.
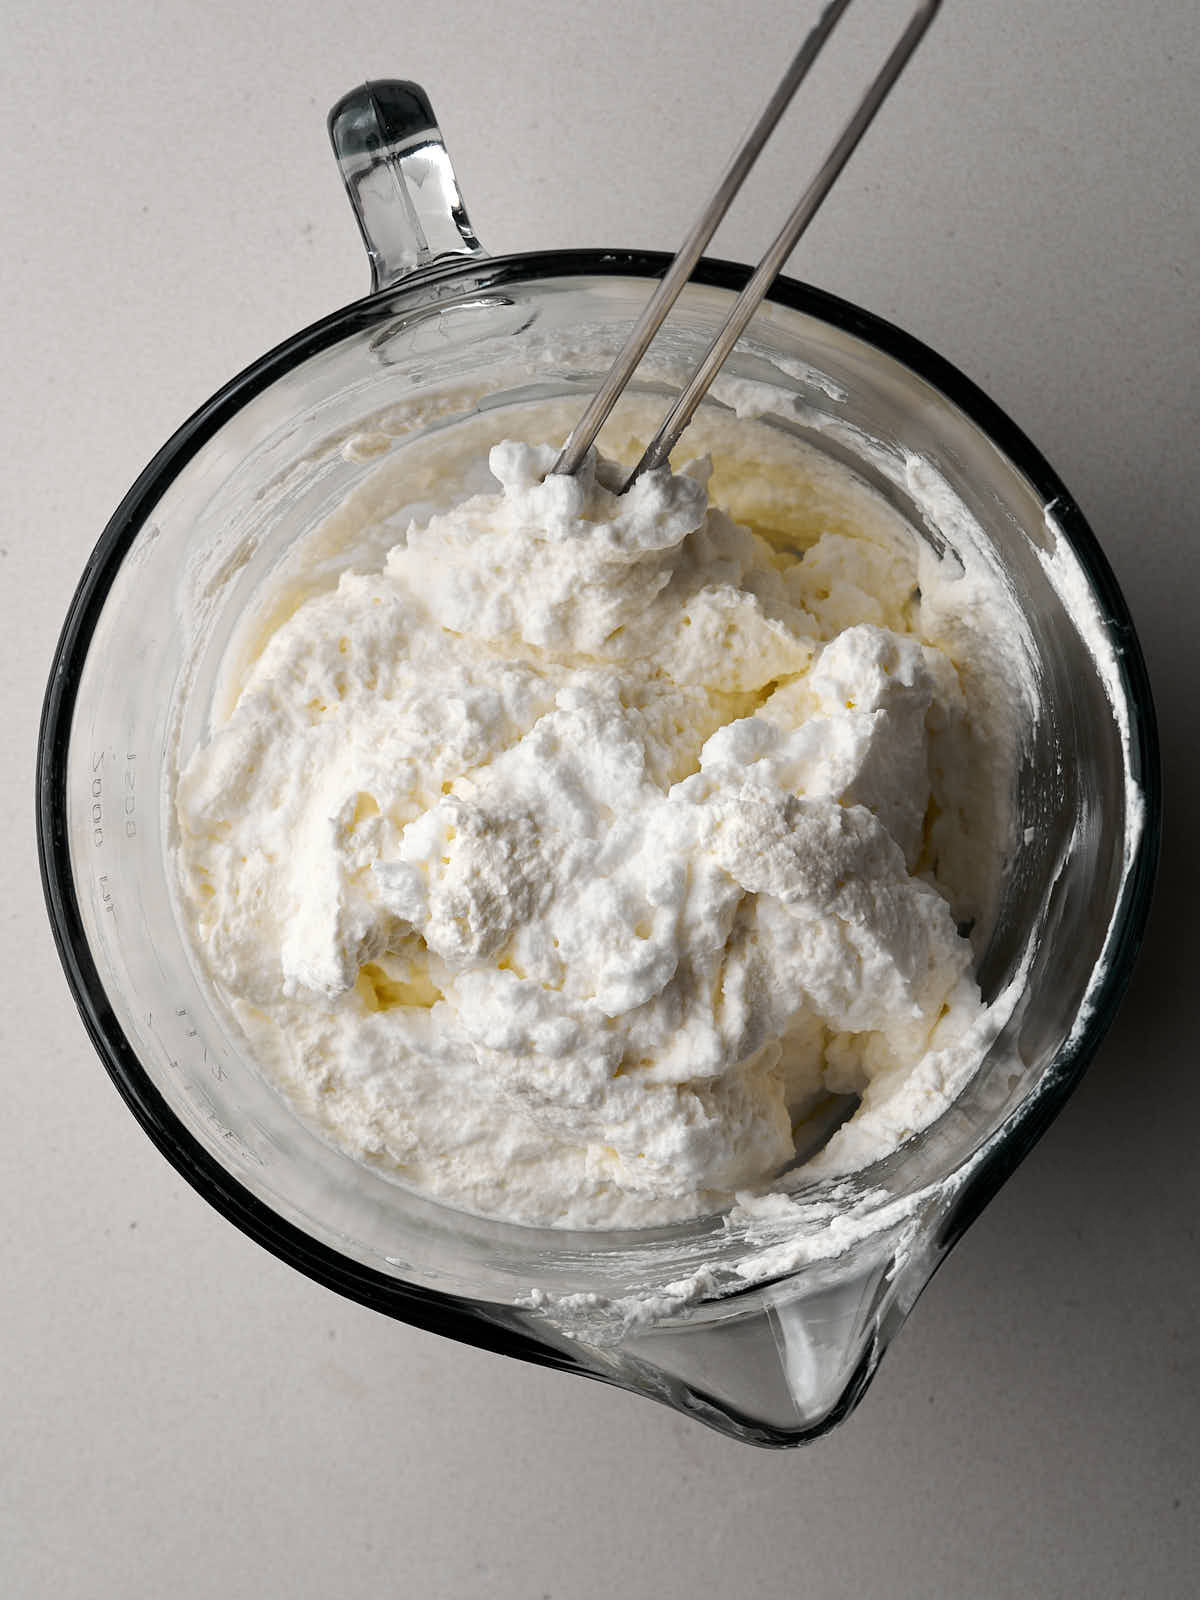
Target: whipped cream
572,863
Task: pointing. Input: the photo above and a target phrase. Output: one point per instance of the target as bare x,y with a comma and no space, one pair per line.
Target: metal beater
583,436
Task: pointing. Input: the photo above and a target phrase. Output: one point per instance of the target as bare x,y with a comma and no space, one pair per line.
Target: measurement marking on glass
97,798
130,806
199,1099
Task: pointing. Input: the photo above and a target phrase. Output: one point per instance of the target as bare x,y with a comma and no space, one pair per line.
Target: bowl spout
782,1364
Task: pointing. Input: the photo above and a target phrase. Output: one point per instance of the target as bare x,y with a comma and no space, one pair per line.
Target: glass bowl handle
401,183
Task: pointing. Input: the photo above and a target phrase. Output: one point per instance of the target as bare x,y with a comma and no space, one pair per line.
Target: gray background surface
182,1415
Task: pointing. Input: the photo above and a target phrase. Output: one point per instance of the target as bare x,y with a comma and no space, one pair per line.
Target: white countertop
185,1416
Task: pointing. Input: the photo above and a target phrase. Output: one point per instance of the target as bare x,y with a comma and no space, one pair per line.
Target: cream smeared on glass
565,865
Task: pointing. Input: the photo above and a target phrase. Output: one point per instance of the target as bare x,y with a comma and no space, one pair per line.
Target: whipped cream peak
657,512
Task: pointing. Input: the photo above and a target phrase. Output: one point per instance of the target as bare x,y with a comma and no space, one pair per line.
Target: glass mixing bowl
767,1330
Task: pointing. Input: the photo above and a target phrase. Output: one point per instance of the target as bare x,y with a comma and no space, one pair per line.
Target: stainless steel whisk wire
583,436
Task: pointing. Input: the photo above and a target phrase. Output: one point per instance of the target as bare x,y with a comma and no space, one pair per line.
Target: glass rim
482,1323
